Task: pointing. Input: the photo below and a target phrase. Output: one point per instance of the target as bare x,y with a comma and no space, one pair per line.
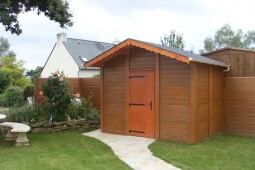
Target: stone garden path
132,150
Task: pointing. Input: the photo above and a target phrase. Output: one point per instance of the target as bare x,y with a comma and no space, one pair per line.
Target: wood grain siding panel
242,63
91,88
141,59
202,117
85,86
240,106
216,100
174,100
115,96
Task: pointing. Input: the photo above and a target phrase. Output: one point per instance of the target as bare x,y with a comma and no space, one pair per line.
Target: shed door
141,103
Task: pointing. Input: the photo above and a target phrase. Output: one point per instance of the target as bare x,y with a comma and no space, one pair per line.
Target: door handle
150,105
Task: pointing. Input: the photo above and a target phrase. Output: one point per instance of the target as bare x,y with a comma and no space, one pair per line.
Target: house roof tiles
82,50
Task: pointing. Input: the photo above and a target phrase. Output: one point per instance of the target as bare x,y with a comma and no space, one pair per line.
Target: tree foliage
5,48
56,10
173,40
9,63
33,74
5,80
226,37
16,70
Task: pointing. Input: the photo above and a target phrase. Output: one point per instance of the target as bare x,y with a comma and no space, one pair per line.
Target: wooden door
141,104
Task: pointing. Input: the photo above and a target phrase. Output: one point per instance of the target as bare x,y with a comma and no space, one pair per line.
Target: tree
56,10
16,70
226,37
5,80
173,40
5,48
33,74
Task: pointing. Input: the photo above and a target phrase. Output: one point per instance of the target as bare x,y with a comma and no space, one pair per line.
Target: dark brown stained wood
102,99
216,100
91,88
127,92
242,63
193,101
240,108
202,117
174,87
140,59
223,121
115,95
157,96
87,87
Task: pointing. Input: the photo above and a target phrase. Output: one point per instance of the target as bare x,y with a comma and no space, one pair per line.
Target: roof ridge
91,41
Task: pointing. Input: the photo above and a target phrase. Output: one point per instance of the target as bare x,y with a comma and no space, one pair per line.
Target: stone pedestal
22,139
10,136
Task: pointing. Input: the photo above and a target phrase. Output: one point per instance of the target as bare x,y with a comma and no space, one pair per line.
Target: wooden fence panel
85,86
240,105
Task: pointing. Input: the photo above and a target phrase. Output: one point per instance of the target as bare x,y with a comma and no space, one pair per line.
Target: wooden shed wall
114,96
174,100
141,59
216,101
202,116
240,106
242,63
206,101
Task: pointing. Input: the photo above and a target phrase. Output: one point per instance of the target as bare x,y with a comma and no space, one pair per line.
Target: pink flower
61,79
78,95
56,73
40,93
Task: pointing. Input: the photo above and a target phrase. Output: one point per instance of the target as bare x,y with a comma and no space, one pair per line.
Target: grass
223,151
64,150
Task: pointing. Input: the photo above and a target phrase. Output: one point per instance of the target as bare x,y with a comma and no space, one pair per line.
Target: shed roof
82,50
170,52
228,48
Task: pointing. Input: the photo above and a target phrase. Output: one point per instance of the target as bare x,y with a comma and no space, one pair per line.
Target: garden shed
159,92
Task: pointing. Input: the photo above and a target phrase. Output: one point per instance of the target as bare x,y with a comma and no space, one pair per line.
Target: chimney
116,41
61,37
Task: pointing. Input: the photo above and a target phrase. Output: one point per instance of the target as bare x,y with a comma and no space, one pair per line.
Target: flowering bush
58,98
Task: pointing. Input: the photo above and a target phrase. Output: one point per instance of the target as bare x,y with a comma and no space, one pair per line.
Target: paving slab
132,150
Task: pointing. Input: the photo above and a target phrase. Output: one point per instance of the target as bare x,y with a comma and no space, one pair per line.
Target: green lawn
64,150
223,151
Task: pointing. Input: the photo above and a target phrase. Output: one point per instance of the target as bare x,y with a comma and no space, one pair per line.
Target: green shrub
93,114
3,101
14,96
5,80
28,91
57,100
84,110
23,114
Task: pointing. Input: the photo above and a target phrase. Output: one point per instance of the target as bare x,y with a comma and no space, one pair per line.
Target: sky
146,20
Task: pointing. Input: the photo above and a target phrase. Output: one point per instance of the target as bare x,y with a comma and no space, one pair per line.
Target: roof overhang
123,48
228,48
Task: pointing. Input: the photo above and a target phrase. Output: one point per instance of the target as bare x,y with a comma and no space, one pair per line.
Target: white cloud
145,20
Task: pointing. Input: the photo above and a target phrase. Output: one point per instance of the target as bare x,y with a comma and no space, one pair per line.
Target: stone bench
13,129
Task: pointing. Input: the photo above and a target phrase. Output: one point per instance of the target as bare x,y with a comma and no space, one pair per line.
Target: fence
84,86
240,105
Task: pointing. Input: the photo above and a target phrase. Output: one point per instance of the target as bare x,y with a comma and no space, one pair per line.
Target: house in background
69,55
